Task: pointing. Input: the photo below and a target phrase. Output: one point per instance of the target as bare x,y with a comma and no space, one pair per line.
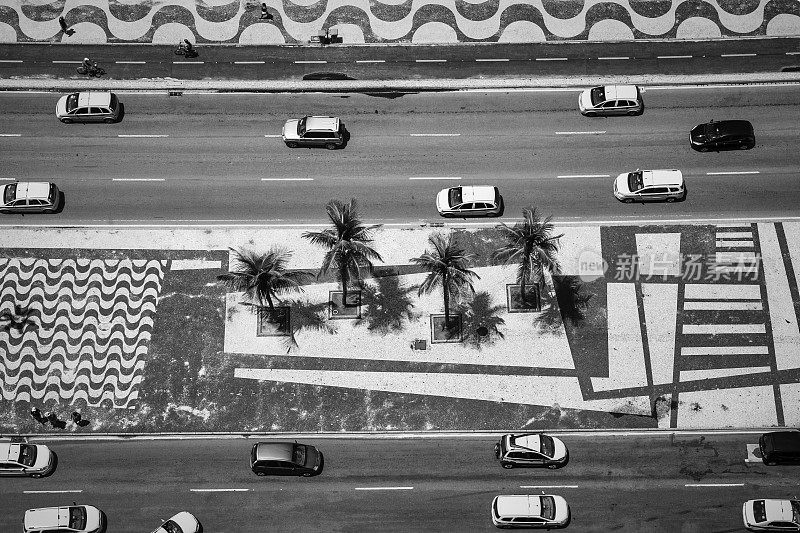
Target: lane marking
732,172
10,135
219,490
552,59
614,58
310,62
10,61
579,132
673,57
141,136
129,62
370,61
430,60
738,55
68,62
435,134
435,178
384,488
569,176
548,486
271,136
51,491
491,59
792,53
188,62
287,179
8,179
714,485
137,179
249,62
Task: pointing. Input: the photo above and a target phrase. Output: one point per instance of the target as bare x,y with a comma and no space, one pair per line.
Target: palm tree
264,276
532,245
348,244
447,266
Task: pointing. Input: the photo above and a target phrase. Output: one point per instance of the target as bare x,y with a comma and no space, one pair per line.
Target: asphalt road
207,156
625,483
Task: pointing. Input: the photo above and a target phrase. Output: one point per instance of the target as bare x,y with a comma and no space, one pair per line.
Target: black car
723,135
780,447
286,459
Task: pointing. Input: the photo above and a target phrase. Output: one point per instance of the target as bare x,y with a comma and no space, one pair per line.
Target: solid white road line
143,136
384,488
552,59
568,176
137,179
370,61
287,179
738,55
51,491
714,485
673,57
249,62
548,486
490,59
10,61
310,62
435,178
613,57
10,135
129,62
579,132
435,134
219,490
430,60
732,172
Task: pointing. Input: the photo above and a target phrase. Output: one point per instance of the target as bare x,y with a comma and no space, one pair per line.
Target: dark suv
723,135
286,459
780,447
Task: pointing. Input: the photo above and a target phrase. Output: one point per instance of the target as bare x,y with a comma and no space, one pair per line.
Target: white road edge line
499,59
738,55
714,485
568,176
548,486
138,179
384,488
370,61
142,136
728,173
579,132
249,62
129,62
673,57
287,179
435,178
310,62
435,134
51,491
219,490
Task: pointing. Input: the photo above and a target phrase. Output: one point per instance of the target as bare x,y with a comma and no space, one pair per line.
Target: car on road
286,459
650,186
531,449
23,459
72,519
183,522
722,135
611,100
780,447
546,511
89,106
771,515
24,197
470,201
314,131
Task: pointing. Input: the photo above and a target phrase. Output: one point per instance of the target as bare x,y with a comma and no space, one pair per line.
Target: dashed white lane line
219,490
673,57
732,172
10,61
310,62
68,62
370,61
569,176
548,486
792,53
435,178
51,491
129,62
435,134
8,179
384,488
188,62
287,179
613,58
487,60
138,179
430,60
10,135
249,62
273,136
738,55
552,59
141,136
579,132
714,485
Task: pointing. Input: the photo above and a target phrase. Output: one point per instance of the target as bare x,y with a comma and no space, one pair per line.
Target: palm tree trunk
446,305
345,280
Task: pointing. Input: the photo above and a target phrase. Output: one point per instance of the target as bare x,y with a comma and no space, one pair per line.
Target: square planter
516,304
441,334
338,311
273,323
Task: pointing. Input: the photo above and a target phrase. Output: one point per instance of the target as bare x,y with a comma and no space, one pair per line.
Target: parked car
470,201
530,511
650,186
723,135
286,459
314,131
531,449
780,447
22,459
611,100
90,106
30,197
72,519
771,515
183,522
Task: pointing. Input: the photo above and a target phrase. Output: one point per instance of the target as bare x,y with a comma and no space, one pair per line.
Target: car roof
9,450
274,451
532,441
662,177
477,193
778,510
96,98
519,505
47,517
614,92
32,189
729,127
322,123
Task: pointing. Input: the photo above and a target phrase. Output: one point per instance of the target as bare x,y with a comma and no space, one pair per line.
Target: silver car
611,100
90,106
650,186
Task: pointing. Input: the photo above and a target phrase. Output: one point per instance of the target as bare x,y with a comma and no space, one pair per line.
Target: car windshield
548,507
454,196
27,454
77,518
114,101
548,446
598,95
10,193
301,126
72,102
171,527
299,454
635,181
759,511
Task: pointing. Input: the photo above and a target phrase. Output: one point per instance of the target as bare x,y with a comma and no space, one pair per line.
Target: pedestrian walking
55,422
78,419
264,13
63,23
37,414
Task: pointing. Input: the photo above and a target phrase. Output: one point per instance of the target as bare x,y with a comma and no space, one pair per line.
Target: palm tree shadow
387,305
569,305
481,320
305,315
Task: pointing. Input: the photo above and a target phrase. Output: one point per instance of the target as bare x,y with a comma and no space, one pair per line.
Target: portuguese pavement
682,326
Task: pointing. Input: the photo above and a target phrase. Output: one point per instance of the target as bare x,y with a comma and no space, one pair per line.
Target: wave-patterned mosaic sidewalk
77,329
393,21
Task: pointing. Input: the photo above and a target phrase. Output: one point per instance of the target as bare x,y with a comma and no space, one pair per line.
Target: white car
771,515
470,201
30,197
72,519
22,459
611,100
183,522
650,186
90,106
544,511
314,131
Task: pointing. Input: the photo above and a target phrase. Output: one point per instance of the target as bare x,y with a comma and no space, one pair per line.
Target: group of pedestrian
56,422
66,29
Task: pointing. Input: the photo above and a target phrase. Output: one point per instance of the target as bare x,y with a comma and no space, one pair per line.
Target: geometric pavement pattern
88,328
395,21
